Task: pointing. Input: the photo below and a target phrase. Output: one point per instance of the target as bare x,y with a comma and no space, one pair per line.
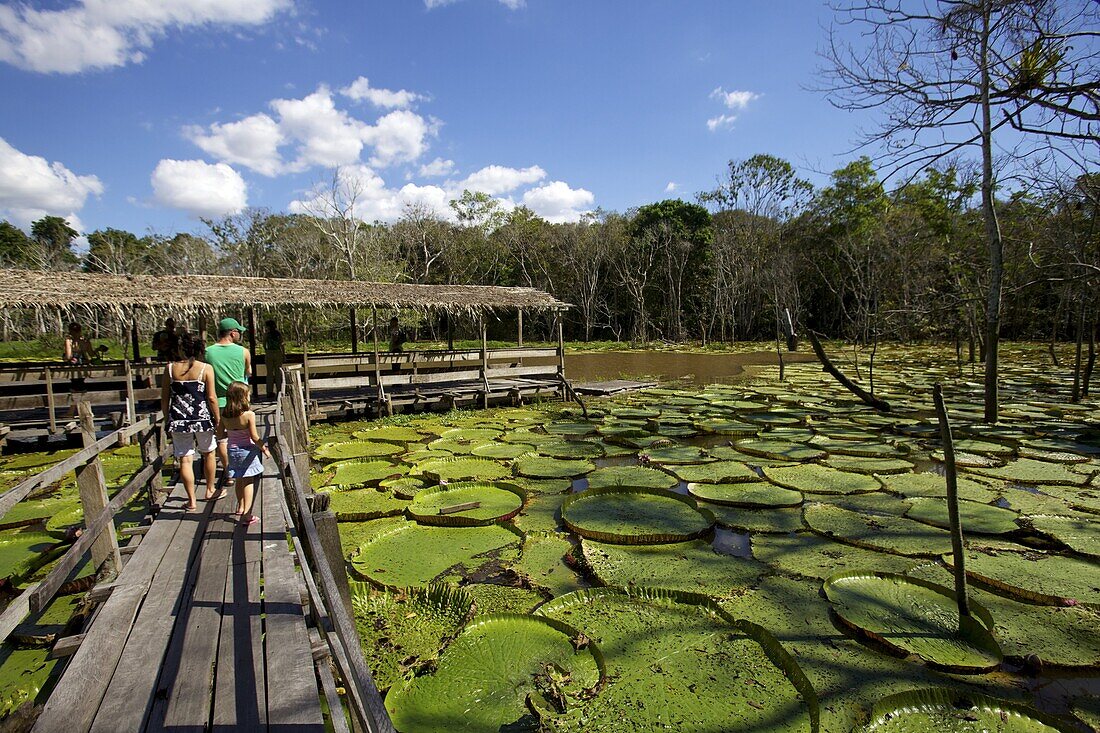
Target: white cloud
399,137
199,188
326,135
373,200
31,187
671,187
252,142
557,202
360,90
100,34
437,168
498,179
736,101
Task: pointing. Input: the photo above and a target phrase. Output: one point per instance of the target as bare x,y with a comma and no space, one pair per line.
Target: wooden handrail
21,490
373,714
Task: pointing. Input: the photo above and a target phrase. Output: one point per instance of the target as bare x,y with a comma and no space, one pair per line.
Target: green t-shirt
227,360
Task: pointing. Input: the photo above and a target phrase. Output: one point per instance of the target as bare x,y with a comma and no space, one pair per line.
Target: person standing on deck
273,359
191,409
164,341
231,362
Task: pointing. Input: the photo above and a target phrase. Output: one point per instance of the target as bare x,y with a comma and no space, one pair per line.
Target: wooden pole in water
484,365
377,359
354,331
958,556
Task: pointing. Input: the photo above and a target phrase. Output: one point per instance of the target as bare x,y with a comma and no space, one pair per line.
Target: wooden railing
322,558
99,534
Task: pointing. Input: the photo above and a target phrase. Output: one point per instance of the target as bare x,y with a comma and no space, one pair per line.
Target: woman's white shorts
187,444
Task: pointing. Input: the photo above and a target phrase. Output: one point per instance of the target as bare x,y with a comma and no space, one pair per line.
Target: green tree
14,245
54,235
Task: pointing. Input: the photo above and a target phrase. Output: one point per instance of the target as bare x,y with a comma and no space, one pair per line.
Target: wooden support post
51,401
252,351
305,379
202,326
150,449
519,331
301,409
354,332
333,552
484,365
380,394
135,340
561,347
131,404
450,331
93,496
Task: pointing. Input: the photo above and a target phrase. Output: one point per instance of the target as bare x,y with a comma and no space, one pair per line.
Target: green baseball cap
230,324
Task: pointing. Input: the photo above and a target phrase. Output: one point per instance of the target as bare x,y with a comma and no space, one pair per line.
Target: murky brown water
662,365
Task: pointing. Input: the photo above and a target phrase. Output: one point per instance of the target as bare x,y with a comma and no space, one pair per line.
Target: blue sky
144,119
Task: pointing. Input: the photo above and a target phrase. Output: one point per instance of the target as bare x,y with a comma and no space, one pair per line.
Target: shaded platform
204,629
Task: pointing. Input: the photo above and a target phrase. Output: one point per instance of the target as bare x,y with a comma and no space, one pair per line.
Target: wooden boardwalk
204,629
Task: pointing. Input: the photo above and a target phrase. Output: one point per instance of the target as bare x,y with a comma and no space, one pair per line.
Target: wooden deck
204,629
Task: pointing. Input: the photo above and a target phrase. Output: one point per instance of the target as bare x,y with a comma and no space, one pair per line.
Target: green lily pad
405,487
485,676
535,466
717,472
638,476
362,473
812,556
869,465
22,551
27,462
733,428
956,711
449,446
571,449
686,566
779,450
678,662
571,428
357,505
543,564
501,451
931,484
390,434
1087,708
974,518
675,454
355,449
746,494
634,516
1080,535
781,520
462,469
541,513
816,479
1035,577
1030,471
400,632
495,502
406,554
471,435
969,460
23,674
884,533
490,598
915,617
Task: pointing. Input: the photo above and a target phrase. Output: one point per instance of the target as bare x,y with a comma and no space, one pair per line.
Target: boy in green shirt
231,362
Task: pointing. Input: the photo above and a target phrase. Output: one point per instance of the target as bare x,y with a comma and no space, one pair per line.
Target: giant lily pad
571,428
356,449
1079,534
571,449
462,469
931,484
956,711
495,502
688,566
816,479
401,631
915,617
22,551
23,674
676,454
501,451
471,435
630,476
760,494
485,676
543,564
356,505
885,533
678,662
869,465
780,520
812,556
1035,577
634,516
390,434
1030,471
974,517
718,472
780,450
536,466
362,473
408,554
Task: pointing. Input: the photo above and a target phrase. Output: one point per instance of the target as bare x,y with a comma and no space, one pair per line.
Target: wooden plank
296,701
328,685
66,646
240,699
74,702
50,405
176,535
187,675
93,499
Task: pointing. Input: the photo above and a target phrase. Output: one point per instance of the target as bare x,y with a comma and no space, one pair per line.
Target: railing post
305,378
333,552
51,401
561,357
93,496
484,365
519,331
150,451
131,406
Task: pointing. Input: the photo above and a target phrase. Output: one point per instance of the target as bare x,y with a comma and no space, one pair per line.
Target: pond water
697,368
804,483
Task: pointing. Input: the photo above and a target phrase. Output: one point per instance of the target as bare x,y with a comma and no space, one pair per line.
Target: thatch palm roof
72,290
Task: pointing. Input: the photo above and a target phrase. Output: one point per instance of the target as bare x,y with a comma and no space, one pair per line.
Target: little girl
238,424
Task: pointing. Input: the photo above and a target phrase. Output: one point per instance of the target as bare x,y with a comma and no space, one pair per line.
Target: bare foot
192,506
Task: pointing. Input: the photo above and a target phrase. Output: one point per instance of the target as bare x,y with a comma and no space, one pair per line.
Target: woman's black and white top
189,410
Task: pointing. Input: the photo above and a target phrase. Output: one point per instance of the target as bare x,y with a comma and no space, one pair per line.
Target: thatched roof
72,290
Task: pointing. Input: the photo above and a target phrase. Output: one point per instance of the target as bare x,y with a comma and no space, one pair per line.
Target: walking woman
191,408
238,427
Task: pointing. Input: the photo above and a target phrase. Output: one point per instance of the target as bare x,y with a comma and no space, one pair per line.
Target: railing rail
364,700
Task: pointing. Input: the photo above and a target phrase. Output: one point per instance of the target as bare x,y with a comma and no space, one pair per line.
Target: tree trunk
855,389
992,234
1075,395
958,554
1091,361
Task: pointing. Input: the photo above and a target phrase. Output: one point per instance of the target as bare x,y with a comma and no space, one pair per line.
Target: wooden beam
354,331
131,404
135,340
66,646
93,497
252,351
484,365
51,404
519,331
